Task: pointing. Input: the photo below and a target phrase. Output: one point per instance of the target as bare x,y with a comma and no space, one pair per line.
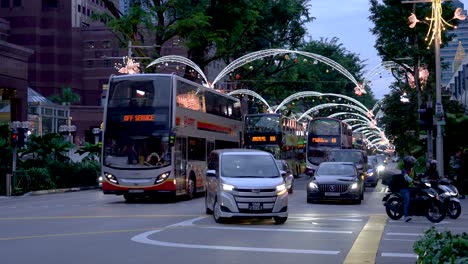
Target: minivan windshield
249,166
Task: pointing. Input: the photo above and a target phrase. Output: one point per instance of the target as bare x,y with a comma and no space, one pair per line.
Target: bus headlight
281,189
111,178
161,177
227,187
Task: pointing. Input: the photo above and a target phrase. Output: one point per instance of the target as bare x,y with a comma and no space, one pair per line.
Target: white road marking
328,219
399,255
419,222
404,234
143,238
404,240
279,230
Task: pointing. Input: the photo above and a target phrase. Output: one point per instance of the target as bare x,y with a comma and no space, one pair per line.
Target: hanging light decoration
129,66
404,98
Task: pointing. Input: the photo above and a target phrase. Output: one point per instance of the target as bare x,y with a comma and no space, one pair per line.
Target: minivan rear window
249,166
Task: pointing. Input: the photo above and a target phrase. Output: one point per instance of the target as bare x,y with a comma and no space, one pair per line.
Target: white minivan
245,183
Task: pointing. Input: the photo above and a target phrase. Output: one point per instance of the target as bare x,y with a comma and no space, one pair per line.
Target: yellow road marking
79,234
365,247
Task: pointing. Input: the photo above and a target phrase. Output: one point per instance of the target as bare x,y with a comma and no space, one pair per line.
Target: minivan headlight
281,189
227,187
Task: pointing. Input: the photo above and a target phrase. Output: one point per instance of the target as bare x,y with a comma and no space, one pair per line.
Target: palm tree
67,97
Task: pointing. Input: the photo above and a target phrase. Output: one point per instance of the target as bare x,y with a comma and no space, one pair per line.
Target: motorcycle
424,201
448,193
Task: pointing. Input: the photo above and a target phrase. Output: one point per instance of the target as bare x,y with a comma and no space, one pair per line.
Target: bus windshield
324,127
138,123
263,123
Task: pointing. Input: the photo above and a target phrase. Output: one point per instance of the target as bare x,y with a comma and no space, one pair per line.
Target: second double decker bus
277,134
158,130
324,133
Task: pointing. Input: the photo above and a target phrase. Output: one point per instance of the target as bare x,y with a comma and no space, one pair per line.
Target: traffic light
425,118
21,137
14,138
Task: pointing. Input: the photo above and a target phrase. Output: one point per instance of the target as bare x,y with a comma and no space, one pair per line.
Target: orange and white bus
158,130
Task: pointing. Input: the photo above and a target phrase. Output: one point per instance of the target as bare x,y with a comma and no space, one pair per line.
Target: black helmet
408,162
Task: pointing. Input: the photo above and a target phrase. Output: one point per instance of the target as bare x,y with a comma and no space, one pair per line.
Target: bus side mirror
211,173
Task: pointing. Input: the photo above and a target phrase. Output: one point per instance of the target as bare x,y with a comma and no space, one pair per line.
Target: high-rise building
55,31
447,53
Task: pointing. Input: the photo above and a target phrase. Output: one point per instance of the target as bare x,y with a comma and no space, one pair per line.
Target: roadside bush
442,247
60,173
86,172
32,179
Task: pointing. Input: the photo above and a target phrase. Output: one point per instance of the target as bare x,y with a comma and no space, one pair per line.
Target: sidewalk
64,190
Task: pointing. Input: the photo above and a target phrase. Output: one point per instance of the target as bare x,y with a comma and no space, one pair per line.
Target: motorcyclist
410,180
431,171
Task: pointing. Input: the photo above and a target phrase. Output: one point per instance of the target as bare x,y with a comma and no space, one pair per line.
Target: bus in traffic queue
359,141
325,133
282,136
158,131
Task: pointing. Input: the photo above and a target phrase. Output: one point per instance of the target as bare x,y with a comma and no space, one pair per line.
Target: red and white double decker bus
157,132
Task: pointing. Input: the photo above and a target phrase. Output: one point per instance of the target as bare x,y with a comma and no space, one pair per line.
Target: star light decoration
129,66
359,90
404,98
436,20
423,75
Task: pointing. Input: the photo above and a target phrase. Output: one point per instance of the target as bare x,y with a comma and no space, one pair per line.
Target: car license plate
135,191
332,194
255,206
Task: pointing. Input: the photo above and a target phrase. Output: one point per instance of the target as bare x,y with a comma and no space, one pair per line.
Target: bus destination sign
331,140
263,138
138,118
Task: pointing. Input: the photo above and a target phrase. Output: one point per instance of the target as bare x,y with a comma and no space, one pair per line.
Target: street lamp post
435,31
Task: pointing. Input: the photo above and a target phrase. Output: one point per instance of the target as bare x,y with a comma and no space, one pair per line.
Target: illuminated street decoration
251,93
436,23
273,52
129,66
423,75
183,60
404,98
328,105
312,93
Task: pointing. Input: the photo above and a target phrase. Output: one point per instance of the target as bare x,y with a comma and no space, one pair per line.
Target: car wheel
280,220
207,210
217,213
191,188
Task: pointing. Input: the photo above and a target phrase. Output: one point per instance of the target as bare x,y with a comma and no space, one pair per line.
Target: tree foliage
212,30
407,47
67,97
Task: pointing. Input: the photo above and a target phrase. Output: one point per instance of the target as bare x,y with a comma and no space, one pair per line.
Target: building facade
13,77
